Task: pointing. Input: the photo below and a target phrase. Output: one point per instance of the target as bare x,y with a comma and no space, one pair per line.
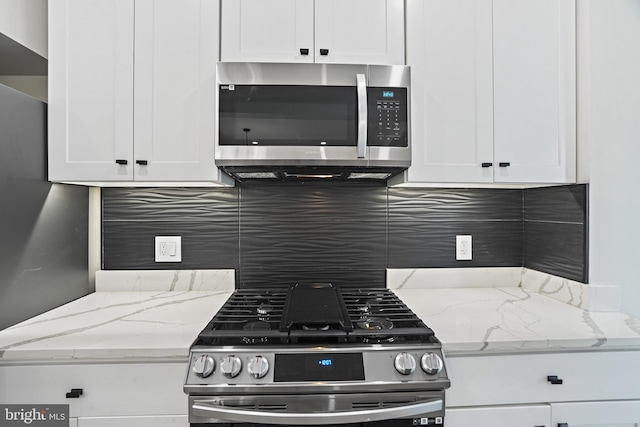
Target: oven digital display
318,367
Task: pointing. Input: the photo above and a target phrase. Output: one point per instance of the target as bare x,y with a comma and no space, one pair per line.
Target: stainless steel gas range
315,354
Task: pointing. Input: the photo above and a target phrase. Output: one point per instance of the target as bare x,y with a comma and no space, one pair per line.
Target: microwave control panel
387,111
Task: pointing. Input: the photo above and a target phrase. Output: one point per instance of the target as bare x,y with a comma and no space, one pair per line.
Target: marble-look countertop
515,319
161,325
113,326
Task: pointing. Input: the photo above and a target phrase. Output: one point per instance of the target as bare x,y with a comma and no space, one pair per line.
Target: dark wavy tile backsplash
348,235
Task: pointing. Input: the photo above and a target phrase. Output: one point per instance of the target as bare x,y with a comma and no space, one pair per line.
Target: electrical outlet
464,250
168,249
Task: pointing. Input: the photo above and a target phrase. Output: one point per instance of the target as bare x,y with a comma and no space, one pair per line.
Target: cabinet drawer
513,379
108,389
496,416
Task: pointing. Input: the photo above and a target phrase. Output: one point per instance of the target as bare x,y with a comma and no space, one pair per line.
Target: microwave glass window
288,115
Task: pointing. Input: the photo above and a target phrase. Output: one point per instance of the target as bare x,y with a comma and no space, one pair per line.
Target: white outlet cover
168,249
464,248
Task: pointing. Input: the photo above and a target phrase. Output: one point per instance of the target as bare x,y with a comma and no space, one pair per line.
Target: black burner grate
314,313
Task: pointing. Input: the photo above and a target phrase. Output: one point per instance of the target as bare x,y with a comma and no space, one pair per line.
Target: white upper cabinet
493,91
359,31
131,90
176,52
90,90
449,50
267,30
534,70
334,31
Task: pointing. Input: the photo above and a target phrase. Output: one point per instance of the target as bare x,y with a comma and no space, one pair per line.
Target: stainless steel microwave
312,121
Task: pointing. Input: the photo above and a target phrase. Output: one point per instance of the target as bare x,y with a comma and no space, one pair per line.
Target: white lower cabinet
596,414
580,389
113,394
499,416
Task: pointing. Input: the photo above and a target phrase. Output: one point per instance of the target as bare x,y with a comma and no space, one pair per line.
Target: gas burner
375,324
364,310
264,311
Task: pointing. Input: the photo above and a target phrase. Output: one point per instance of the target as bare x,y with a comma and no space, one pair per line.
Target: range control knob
405,363
203,366
431,363
230,366
258,367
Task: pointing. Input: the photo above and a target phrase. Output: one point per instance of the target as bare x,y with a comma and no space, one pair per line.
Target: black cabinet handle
75,393
304,51
540,426
142,162
553,379
122,162
324,52
563,425
487,165
504,164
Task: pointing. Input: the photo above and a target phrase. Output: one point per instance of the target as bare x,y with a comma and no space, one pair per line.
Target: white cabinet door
359,31
90,90
336,31
496,416
267,30
523,378
449,51
596,414
109,390
534,90
176,45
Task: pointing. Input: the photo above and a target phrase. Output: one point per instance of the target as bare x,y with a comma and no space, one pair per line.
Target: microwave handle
361,83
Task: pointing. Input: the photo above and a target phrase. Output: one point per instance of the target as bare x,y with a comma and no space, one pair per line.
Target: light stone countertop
132,325
515,319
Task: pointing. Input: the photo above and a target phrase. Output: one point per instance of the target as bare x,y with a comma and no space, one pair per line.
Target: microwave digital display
387,94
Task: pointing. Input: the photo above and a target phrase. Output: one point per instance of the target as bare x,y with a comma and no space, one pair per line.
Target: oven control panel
315,365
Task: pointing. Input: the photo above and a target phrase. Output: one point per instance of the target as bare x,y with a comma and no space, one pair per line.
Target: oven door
376,409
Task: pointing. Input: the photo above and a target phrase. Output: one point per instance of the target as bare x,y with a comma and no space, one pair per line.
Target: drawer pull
553,379
563,425
75,393
142,162
304,51
487,164
324,52
504,164
121,162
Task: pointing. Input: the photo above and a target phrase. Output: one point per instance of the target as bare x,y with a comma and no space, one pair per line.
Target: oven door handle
361,84
208,409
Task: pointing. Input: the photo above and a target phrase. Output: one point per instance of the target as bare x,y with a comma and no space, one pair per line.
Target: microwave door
286,115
